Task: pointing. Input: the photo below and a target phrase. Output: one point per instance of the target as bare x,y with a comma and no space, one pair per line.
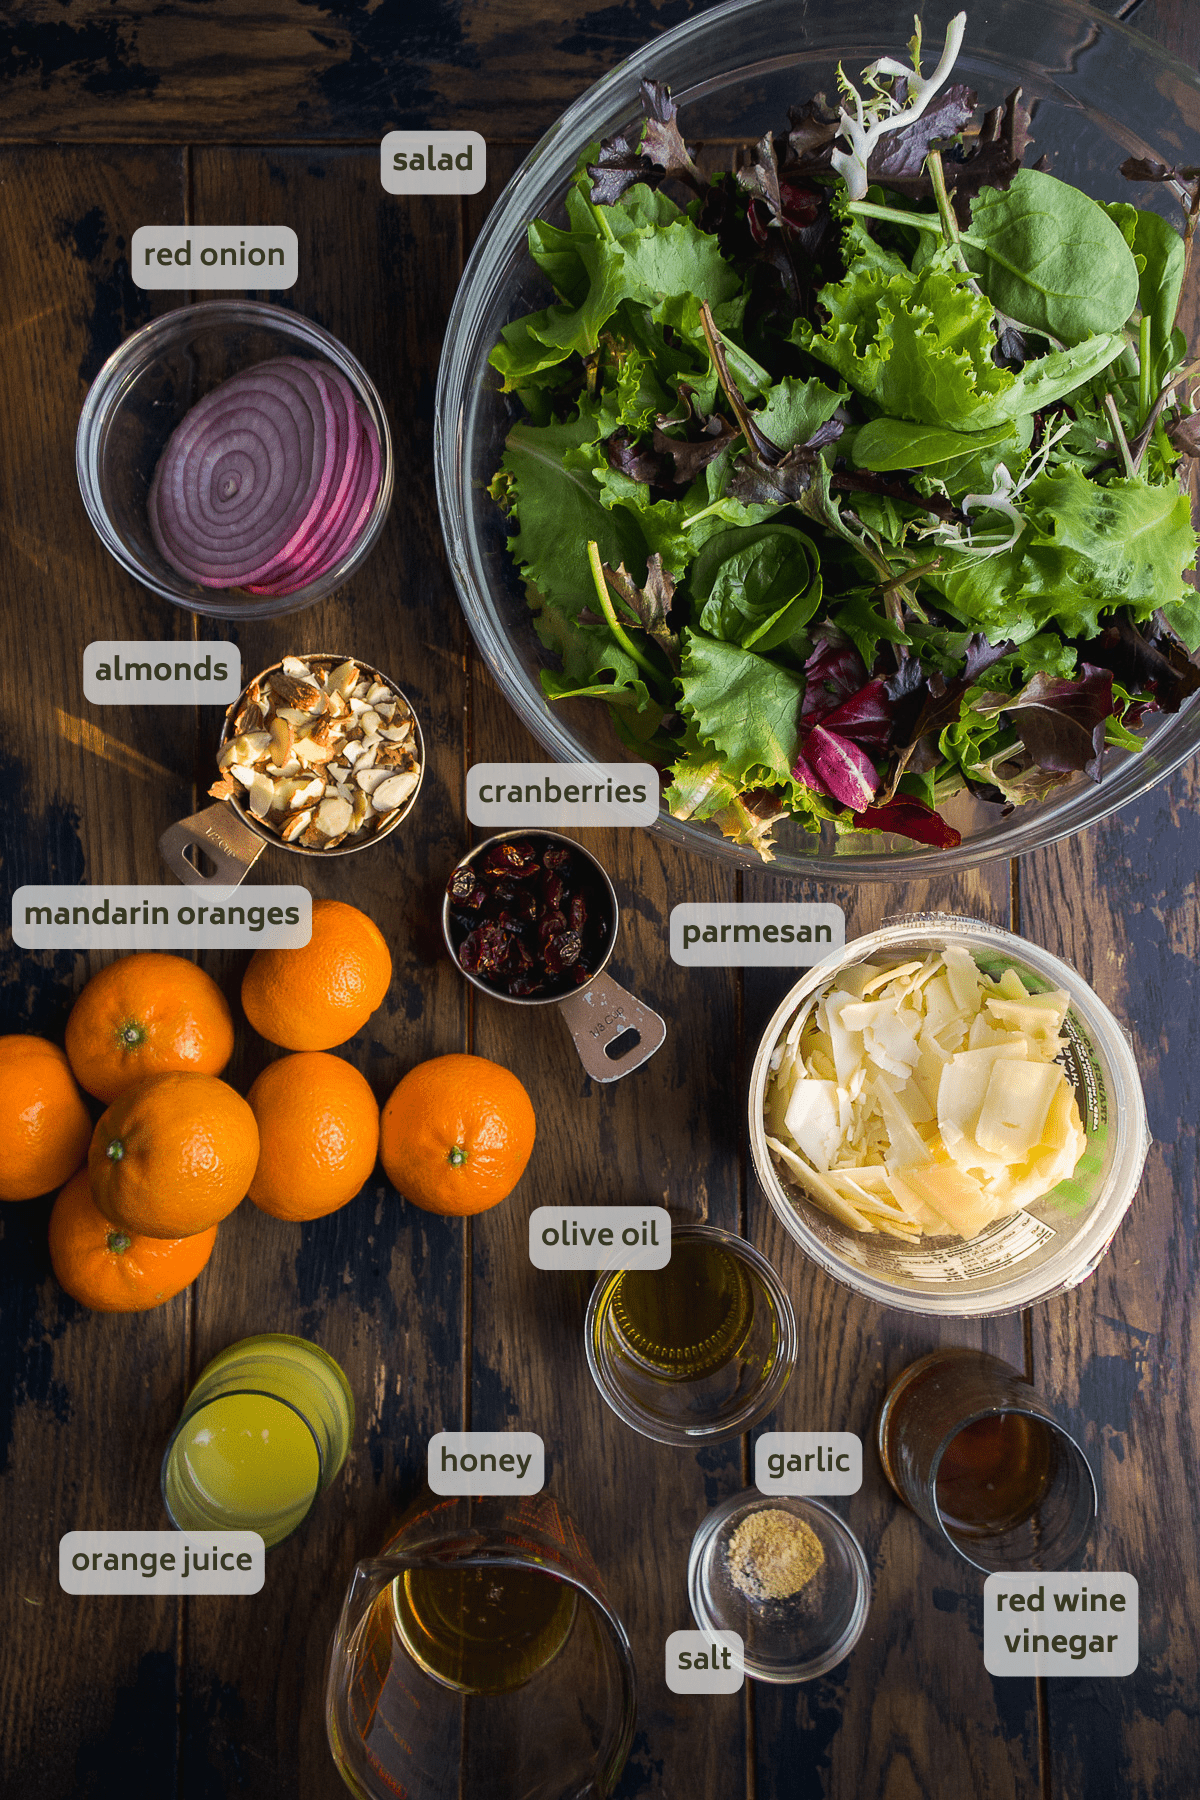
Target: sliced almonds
320,752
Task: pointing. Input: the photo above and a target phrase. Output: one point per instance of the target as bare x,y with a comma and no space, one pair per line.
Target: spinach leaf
884,444
1051,258
1159,253
757,587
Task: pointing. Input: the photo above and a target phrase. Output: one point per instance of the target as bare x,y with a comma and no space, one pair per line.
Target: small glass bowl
143,392
736,1381
788,1640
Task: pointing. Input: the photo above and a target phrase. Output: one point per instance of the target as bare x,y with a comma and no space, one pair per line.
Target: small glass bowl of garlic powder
788,1576
948,1118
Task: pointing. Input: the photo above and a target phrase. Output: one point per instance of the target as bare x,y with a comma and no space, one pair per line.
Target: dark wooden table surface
121,114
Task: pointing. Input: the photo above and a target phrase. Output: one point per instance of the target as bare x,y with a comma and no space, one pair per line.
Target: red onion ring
267,480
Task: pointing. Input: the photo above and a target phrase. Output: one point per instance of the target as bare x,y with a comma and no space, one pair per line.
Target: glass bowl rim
527,191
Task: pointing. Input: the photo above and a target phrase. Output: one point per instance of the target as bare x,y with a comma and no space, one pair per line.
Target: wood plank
378,1284
283,71
912,1710
87,1399
1115,1357
665,1135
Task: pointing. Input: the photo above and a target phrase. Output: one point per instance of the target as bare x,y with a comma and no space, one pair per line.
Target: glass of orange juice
265,1428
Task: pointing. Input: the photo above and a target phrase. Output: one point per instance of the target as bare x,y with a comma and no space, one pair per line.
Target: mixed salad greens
853,480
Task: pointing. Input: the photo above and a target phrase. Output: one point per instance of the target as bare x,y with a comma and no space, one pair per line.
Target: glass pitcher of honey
479,1655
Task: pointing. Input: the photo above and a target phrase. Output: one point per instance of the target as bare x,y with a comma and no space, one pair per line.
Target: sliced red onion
267,481
274,422
357,511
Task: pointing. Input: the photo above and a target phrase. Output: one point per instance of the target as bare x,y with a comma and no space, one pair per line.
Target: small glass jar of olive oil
698,1350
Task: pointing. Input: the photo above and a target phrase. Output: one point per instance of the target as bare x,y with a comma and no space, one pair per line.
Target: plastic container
143,392
1101,92
1018,1261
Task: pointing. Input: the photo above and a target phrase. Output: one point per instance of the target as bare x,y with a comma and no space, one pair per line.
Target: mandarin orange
45,1126
320,995
456,1134
318,1131
173,1155
112,1270
142,1015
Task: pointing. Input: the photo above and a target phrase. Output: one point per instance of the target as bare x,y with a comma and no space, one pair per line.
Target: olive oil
688,1320
993,1474
484,1629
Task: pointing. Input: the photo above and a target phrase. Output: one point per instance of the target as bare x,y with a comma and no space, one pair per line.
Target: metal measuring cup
227,833
600,1011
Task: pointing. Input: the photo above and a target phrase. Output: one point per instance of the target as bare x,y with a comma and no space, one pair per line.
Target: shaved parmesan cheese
812,1121
925,1097
1015,1106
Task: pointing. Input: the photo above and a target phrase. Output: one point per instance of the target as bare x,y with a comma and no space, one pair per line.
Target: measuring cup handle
598,1015
219,835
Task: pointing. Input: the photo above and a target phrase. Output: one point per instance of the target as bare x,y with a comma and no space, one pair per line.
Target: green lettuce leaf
1158,252
1085,549
552,491
919,347
744,706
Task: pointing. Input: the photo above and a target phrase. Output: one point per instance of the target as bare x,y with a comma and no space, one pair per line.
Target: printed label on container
215,256
600,1237
558,794
735,936
161,918
487,1462
433,162
1001,1246
161,1562
1075,1622
808,1462
150,672
705,1662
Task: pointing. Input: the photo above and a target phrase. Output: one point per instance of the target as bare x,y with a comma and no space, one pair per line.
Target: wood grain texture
1114,1356
223,1697
379,1284
291,71
912,1711
85,1405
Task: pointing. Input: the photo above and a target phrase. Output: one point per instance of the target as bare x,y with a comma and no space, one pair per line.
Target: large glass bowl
1100,93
